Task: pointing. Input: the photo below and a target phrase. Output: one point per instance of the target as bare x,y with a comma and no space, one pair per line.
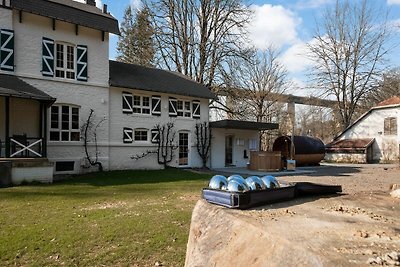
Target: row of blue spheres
236,183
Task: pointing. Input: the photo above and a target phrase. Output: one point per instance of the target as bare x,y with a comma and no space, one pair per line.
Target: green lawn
112,219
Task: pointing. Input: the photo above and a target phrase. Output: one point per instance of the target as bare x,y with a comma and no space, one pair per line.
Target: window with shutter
172,107
7,50
47,57
155,136
128,135
390,126
196,109
127,99
82,63
156,105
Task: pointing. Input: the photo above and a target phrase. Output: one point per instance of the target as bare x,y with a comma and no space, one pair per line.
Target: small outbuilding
233,140
373,137
351,150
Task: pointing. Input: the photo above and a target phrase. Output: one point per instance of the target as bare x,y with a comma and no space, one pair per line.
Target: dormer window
65,61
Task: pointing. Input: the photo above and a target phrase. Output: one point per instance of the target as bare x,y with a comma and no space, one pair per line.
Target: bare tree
89,134
203,141
256,85
348,51
165,145
387,88
197,37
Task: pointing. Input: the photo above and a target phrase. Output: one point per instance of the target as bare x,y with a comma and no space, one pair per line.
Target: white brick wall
6,18
28,46
120,153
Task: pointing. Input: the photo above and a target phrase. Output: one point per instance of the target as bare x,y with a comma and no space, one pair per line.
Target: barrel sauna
307,150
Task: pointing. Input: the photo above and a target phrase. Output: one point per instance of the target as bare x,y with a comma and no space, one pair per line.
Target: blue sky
288,25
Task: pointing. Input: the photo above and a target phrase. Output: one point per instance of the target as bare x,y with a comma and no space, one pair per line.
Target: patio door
183,149
229,150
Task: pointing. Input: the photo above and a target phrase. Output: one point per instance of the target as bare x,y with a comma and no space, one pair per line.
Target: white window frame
183,110
59,129
141,130
65,68
141,106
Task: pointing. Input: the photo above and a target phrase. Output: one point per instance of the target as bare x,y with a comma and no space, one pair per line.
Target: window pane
137,110
65,118
140,135
75,136
75,118
60,73
146,101
179,105
54,136
54,117
64,136
187,105
136,100
146,110
70,57
60,56
70,75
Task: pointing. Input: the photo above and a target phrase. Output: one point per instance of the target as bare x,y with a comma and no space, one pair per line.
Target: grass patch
113,218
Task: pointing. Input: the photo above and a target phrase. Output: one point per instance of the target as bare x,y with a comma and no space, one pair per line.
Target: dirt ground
357,228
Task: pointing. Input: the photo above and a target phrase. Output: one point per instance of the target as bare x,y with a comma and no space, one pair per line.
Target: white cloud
393,2
395,24
136,4
273,25
295,59
311,4
99,4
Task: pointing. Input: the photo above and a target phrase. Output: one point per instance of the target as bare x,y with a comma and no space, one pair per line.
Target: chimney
91,2
105,9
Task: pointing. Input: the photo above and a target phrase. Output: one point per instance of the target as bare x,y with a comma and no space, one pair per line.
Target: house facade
55,72
374,137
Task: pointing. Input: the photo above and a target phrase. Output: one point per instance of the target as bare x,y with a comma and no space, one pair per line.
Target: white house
374,137
55,70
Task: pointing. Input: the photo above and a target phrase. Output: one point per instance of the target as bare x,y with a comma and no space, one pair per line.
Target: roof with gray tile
155,80
244,125
13,86
69,11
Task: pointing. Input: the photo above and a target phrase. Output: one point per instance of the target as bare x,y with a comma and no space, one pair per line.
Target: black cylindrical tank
307,150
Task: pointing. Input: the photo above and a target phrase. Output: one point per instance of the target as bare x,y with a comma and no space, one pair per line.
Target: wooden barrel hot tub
307,150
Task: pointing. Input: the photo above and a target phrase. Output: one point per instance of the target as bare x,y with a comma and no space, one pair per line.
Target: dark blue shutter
127,99
155,136
82,63
196,109
172,107
156,105
128,135
47,57
7,50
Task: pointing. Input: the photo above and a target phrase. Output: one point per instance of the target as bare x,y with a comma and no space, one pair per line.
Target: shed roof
156,80
395,100
350,144
69,11
13,86
243,125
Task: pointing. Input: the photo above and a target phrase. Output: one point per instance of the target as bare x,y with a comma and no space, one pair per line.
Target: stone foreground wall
346,230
